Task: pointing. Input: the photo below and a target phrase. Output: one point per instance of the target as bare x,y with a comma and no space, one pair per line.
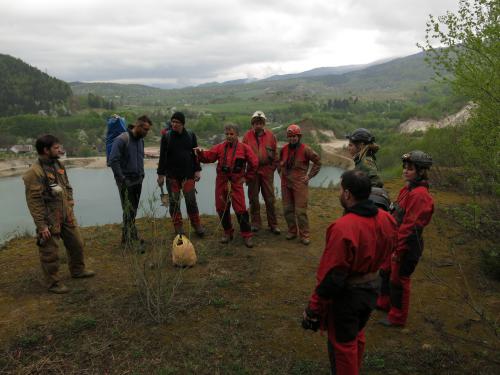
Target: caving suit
294,166
347,281
179,164
235,162
265,147
52,207
413,211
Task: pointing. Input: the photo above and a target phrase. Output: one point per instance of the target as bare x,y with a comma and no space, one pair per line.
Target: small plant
30,340
490,262
218,302
82,323
156,284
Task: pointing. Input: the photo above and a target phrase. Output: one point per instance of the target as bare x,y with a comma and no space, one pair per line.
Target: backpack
116,125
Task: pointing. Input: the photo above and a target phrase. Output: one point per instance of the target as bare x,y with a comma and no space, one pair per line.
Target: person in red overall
263,143
236,165
347,276
295,175
413,211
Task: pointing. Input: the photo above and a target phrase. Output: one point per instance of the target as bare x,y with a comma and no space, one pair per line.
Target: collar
416,183
44,161
364,208
131,133
294,146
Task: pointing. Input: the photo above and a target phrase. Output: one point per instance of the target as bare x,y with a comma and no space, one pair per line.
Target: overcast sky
188,42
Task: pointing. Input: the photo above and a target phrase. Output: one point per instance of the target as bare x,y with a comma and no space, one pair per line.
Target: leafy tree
467,44
25,89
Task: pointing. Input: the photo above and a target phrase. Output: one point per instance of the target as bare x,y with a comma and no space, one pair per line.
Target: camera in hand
313,325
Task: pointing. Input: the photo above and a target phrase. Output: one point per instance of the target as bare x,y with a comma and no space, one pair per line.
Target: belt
362,279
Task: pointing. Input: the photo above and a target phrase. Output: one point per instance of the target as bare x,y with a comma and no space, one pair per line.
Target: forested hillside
25,89
396,79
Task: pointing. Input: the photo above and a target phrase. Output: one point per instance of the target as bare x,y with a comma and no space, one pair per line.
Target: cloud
198,41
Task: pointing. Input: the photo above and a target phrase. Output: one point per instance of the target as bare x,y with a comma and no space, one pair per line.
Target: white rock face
412,125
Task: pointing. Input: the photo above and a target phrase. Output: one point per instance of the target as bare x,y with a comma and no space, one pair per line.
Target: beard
342,202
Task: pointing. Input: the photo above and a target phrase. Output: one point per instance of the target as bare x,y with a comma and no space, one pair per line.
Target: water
97,200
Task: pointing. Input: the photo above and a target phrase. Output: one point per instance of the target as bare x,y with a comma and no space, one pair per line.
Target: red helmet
293,130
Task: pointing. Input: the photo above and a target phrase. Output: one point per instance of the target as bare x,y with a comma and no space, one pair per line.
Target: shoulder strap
126,137
167,139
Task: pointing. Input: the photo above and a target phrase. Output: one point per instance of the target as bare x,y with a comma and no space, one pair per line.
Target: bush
490,262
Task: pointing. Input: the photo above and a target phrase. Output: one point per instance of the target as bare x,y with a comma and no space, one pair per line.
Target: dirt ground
238,310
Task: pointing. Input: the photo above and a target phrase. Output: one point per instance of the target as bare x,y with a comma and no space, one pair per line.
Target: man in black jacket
180,168
127,162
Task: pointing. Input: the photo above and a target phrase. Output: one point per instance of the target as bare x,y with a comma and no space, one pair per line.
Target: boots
199,230
226,238
84,274
275,230
58,288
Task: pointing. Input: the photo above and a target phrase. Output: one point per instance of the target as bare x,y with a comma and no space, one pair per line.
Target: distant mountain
229,83
324,71
399,75
26,89
397,78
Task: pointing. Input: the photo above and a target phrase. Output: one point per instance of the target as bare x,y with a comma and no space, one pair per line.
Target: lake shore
16,167
332,156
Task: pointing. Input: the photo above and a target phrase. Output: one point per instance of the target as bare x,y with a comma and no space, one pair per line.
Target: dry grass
238,310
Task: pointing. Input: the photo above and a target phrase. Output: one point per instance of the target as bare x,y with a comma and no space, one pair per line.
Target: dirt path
238,311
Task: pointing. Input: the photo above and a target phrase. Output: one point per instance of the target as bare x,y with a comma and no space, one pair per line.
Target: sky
188,42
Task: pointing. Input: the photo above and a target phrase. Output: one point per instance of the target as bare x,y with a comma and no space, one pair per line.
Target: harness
225,167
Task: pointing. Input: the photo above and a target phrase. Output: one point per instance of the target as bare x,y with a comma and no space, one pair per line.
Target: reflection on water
97,200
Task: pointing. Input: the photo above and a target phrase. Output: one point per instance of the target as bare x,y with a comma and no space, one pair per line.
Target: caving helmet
258,115
293,130
380,198
418,158
361,135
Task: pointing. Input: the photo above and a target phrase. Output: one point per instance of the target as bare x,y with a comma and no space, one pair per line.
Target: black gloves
310,320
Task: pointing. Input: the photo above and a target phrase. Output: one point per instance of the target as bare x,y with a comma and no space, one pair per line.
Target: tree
464,49
469,48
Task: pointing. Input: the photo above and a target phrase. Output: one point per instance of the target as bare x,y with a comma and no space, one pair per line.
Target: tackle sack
116,125
183,254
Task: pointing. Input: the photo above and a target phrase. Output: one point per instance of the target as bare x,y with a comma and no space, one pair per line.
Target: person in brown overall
263,143
295,175
49,197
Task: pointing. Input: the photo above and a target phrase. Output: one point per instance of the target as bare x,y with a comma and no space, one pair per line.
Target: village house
21,149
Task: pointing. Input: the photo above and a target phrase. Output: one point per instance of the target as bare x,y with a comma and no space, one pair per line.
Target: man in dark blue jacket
127,162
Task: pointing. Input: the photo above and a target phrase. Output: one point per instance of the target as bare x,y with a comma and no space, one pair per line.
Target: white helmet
258,115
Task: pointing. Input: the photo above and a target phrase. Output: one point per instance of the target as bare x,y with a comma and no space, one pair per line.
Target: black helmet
361,135
418,158
380,198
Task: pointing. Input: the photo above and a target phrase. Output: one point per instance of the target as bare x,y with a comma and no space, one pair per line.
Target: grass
238,312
